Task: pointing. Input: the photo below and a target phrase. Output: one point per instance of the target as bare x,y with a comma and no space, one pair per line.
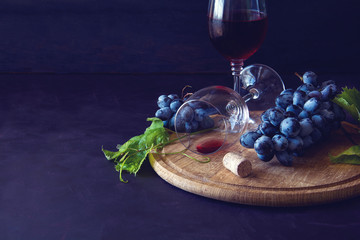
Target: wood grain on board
312,179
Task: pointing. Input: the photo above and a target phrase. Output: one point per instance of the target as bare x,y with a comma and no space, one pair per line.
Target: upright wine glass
237,28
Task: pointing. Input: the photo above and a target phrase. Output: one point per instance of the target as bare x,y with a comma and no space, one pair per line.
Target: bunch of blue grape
168,106
193,117
300,119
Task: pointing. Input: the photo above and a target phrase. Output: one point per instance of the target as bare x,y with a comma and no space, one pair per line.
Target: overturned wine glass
214,118
261,84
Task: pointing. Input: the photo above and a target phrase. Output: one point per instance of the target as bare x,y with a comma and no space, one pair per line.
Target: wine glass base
267,83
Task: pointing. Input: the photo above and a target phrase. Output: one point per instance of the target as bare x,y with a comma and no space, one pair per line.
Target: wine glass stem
236,68
253,94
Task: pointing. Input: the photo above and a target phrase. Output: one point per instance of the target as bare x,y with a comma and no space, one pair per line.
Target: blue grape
300,98
280,109
326,105
207,122
310,78
324,84
339,112
186,113
195,104
199,114
307,140
315,94
265,158
280,142
306,127
290,127
171,123
328,92
295,109
265,115
318,121
191,126
195,125
162,97
312,105
163,101
327,114
284,100
295,144
306,87
175,104
166,123
275,116
316,135
290,114
264,146
179,124
299,153
285,158
173,96
248,139
303,114
163,113
267,129
287,91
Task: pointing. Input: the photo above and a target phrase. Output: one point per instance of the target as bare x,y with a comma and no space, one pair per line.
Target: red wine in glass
237,28
209,146
239,37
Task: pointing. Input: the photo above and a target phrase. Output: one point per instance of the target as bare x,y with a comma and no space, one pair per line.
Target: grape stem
161,145
298,75
187,94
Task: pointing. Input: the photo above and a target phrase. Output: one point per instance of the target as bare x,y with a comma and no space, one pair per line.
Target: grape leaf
131,155
156,123
131,143
134,163
349,156
155,134
153,137
110,155
349,99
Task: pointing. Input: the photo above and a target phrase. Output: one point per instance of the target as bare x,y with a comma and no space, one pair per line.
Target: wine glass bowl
213,118
263,84
237,28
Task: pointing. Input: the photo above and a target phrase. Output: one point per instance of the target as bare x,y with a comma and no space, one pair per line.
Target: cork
237,164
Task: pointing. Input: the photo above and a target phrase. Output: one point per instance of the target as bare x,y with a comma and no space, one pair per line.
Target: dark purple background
79,74
168,36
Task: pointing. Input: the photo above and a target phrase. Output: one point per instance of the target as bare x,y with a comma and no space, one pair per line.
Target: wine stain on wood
312,179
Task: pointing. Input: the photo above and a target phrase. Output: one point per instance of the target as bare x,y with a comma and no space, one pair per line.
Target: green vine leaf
349,156
349,99
131,155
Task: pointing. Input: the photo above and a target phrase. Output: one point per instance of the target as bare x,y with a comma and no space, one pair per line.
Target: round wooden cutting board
312,179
